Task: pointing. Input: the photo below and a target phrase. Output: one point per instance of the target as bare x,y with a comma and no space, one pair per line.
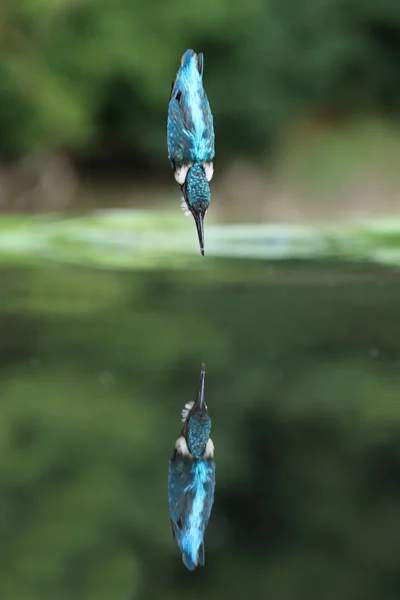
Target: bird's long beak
199,220
200,396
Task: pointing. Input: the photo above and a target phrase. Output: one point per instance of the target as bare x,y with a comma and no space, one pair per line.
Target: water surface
302,384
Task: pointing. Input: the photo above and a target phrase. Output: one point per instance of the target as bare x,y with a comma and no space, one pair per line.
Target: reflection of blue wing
178,480
190,126
209,487
202,555
191,496
180,497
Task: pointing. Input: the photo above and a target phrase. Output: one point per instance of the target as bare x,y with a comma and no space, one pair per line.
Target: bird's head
196,422
197,195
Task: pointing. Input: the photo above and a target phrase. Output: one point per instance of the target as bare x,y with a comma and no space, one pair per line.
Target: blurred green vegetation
94,76
302,384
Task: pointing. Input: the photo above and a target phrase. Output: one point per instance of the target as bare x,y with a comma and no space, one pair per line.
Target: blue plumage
190,133
191,481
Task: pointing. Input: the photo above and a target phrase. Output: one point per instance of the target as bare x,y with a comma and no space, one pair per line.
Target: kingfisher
191,480
190,134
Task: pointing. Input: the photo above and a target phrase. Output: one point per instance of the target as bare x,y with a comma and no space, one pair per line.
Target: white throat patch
184,207
186,410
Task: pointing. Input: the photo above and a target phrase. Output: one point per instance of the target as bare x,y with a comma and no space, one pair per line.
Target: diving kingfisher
191,480
190,133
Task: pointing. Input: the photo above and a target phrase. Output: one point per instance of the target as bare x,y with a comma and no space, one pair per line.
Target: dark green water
302,384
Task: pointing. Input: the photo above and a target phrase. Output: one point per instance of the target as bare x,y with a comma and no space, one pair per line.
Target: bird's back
190,511
190,122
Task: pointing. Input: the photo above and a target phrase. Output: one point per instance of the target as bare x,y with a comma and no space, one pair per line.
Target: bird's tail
189,56
190,563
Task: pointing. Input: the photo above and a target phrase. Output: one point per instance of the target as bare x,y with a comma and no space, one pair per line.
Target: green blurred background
106,315
305,97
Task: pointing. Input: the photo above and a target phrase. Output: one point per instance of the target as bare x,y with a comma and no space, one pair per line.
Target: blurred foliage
302,386
94,76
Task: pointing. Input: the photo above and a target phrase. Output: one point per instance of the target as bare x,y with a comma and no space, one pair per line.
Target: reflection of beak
199,220
200,396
